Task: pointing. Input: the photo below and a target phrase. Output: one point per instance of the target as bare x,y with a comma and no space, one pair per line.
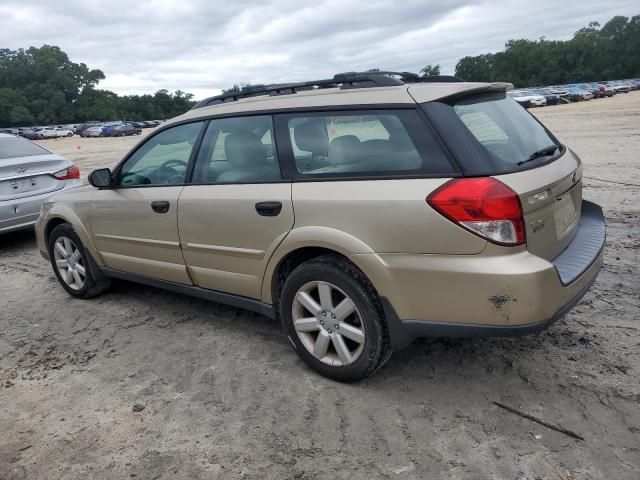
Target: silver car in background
29,174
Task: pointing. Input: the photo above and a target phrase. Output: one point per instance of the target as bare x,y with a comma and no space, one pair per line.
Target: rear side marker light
484,206
71,173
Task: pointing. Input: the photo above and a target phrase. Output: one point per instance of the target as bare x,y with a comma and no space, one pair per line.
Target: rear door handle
269,209
160,206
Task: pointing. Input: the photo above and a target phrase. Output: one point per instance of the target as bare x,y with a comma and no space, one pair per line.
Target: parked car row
87,129
40,133
110,130
573,92
115,129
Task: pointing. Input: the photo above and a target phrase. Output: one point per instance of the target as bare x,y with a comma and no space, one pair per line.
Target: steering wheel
169,175
134,179
171,162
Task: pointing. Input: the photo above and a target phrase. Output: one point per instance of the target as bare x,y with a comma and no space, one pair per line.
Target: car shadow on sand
17,240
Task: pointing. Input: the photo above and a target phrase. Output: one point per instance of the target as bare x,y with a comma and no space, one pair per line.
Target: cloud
202,46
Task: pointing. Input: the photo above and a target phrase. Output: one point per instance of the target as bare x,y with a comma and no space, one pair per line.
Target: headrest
345,150
311,136
244,149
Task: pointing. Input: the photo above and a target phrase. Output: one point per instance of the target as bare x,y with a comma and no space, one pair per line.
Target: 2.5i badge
539,224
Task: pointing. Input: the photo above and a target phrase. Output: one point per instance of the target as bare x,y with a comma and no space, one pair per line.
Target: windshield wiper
543,152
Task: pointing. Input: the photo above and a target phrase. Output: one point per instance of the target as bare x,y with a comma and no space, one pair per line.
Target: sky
203,46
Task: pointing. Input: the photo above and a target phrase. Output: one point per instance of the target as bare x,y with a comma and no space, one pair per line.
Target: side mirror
100,178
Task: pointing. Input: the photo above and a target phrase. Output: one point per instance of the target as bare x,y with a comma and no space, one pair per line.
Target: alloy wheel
69,264
328,323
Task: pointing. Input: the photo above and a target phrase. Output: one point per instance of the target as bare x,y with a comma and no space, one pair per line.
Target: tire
93,282
365,323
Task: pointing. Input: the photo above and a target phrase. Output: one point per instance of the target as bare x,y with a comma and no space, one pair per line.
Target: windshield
507,131
15,147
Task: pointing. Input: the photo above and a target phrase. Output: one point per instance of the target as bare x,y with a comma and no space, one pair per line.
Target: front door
135,223
237,208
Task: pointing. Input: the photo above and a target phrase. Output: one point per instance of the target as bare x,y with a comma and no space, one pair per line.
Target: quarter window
365,143
163,159
238,150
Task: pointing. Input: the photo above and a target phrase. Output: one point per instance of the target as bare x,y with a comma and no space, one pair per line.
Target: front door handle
160,206
269,209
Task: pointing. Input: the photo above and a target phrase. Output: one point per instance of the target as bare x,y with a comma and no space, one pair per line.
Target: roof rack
344,81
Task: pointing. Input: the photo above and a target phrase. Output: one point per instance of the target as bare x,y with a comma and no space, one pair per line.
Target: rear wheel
332,315
72,265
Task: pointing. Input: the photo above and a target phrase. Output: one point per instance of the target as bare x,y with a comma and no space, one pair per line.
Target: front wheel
71,264
332,315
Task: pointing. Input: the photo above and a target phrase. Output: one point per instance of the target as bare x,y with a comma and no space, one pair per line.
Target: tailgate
21,187
551,198
27,176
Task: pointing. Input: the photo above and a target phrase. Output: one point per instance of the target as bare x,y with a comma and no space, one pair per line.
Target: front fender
77,214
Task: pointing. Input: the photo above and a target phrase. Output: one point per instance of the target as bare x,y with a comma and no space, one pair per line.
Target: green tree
475,69
43,86
593,53
430,70
13,109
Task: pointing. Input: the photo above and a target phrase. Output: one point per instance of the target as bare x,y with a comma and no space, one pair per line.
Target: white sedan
51,132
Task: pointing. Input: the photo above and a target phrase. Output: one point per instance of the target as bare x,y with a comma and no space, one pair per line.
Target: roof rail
345,81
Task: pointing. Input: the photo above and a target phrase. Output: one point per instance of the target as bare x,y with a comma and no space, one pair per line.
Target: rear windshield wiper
543,152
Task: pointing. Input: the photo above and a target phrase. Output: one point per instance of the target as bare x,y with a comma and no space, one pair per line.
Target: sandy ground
225,396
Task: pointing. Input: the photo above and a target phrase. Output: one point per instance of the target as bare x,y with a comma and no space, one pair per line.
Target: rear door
237,208
135,223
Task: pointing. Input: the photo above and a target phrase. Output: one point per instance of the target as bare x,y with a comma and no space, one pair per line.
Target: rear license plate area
565,214
22,185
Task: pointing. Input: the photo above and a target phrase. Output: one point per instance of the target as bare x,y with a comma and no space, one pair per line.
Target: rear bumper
490,295
23,212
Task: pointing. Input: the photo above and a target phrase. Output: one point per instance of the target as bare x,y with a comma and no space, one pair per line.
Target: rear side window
364,143
12,147
238,150
510,135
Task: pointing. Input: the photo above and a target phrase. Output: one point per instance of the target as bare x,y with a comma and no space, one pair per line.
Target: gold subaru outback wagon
364,211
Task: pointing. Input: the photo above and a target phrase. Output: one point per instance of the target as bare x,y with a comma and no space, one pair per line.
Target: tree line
609,52
41,86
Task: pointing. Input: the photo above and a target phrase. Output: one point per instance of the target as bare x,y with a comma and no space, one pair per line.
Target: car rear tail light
73,172
484,206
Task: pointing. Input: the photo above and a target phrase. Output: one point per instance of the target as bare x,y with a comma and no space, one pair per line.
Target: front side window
163,159
238,150
507,131
364,143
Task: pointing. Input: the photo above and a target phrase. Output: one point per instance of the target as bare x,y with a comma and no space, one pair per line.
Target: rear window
510,135
365,143
12,147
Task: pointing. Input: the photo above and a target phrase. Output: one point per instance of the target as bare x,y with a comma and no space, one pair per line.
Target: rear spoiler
446,91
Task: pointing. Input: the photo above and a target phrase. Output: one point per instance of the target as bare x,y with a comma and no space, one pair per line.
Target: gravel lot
221,394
